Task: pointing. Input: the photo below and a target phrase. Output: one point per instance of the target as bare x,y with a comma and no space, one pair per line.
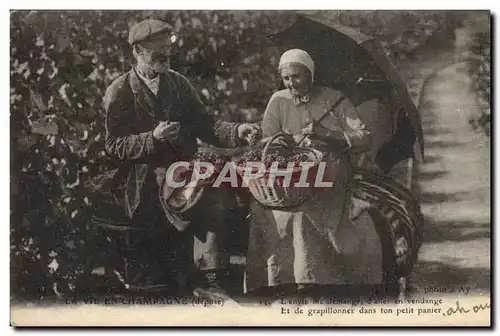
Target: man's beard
157,64
161,67
160,63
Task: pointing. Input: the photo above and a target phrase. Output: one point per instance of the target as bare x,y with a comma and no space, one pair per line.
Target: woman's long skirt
317,245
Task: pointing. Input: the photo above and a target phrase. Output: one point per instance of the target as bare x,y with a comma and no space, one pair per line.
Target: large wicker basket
280,197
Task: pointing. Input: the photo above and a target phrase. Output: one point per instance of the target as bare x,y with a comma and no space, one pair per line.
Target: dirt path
454,182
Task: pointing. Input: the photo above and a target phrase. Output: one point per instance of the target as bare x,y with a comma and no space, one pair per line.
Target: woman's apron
318,244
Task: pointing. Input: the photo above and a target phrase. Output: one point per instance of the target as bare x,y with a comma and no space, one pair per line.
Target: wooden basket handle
268,144
270,141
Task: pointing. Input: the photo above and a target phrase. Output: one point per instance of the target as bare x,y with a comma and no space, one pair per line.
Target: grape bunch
217,160
299,157
250,156
282,157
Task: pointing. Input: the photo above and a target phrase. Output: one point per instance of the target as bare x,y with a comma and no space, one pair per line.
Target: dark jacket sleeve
123,142
207,127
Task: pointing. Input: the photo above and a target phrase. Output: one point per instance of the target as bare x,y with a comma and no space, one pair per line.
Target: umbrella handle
314,122
334,106
323,116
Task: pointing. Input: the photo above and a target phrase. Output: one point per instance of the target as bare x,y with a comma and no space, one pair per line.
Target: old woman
319,243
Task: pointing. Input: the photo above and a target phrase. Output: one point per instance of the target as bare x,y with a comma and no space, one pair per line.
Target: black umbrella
357,64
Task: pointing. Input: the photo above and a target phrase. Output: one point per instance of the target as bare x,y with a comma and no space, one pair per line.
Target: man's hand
249,132
167,131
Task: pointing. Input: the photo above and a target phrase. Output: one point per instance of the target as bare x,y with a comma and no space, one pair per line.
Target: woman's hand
335,143
303,140
334,139
286,140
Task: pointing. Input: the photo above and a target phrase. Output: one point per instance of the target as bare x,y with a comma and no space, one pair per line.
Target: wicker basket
280,197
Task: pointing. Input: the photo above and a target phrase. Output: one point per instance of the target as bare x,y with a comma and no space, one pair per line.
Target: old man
154,117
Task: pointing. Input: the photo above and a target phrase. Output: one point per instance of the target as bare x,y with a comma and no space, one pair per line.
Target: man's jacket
132,113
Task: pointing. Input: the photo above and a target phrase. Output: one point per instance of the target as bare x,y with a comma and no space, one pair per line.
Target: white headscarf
298,56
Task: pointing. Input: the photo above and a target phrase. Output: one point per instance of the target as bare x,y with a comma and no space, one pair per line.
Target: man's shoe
211,286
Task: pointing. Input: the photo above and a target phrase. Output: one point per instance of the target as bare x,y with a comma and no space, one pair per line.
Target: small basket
281,197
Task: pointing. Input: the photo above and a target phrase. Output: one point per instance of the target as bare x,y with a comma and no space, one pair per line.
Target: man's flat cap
145,30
